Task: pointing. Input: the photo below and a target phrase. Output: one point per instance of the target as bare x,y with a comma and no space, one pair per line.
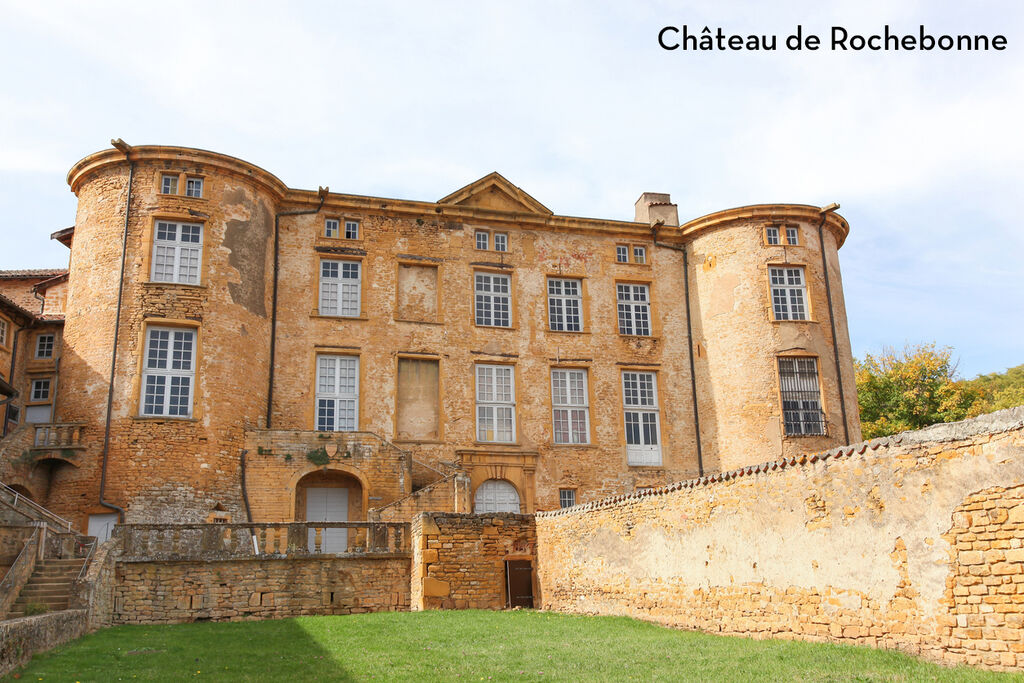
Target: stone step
49,580
42,595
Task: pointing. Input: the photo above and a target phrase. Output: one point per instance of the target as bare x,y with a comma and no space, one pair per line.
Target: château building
224,347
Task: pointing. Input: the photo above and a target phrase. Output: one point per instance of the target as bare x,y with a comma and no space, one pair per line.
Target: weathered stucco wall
913,542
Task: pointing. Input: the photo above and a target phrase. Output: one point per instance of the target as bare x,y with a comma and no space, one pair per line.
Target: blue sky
576,103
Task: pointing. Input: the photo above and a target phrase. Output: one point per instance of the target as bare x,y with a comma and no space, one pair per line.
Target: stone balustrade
58,435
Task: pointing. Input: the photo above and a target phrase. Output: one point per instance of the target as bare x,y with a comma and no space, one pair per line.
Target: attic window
483,240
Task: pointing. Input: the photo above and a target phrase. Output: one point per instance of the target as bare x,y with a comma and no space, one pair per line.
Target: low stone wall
20,571
459,560
258,588
12,540
94,592
24,637
913,542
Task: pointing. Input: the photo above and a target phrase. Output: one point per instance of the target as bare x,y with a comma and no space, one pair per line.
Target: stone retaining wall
913,542
24,637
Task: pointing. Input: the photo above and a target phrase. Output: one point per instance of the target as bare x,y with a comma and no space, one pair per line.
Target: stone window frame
347,355
656,455
340,222
633,310
778,234
569,406
822,424
195,187
174,327
340,284
792,235
566,498
181,184
38,385
441,418
495,403
405,260
5,332
626,254
580,297
774,288
490,240
45,346
477,294
177,245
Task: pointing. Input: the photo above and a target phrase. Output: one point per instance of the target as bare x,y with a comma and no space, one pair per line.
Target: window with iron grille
168,372
801,396
40,390
337,393
177,252
566,498
351,230
789,293
570,406
44,346
194,187
771,234
340,285
792,235
565,312
640,402
331,227
495,403
634,303
493,300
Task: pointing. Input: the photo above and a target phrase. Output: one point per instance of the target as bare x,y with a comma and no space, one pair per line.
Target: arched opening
496,495
329,496
23,492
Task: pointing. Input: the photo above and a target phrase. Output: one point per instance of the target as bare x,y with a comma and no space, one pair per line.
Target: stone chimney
655,207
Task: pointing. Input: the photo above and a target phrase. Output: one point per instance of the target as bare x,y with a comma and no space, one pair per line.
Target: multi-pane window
792,235
194,187
565,311
566,498
789,293
495,403
500,241
340,284
3,332
801,396
177,252
771,234
622,253
168,372
493,299
483,239
351,230
44,346
639,254
40,390
337,393
634,309
640,402
169,184
570,406
331,227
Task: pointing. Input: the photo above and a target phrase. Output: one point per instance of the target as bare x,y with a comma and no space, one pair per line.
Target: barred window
337,393
168,372
493,300
570,406
789,293
331,227
177,252
634,309
566,498
640,402
495,403
771,234
340,285
44,345
801,396
564,305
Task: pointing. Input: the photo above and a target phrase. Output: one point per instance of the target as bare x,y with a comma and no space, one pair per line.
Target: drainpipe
245,499
322,192
825,211
689,338
125,149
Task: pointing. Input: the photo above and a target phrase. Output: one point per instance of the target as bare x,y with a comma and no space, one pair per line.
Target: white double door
328,505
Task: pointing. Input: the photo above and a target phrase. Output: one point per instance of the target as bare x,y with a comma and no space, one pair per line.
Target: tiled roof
15,308
28,273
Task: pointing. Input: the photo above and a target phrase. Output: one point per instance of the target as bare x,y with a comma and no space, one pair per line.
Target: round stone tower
192,334
765,354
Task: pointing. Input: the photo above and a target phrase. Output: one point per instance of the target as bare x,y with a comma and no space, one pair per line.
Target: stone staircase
50,585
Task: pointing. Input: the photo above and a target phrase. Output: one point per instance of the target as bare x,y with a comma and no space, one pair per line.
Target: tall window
3,332
194,187
337,393
640,400
177,252
634,309
564,305
801,396
789,293
495,403
493,300
169,372
44,346
570,406
340,284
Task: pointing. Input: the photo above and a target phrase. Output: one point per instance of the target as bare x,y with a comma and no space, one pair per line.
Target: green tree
917,387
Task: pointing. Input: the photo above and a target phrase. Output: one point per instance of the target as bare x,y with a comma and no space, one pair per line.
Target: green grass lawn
470,645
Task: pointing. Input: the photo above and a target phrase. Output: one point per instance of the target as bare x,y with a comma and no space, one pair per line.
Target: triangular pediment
495,192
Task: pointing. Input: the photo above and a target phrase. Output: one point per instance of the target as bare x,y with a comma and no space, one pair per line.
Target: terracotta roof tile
29,273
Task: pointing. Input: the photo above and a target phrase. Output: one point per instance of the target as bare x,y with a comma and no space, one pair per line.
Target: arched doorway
496,495
329,496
